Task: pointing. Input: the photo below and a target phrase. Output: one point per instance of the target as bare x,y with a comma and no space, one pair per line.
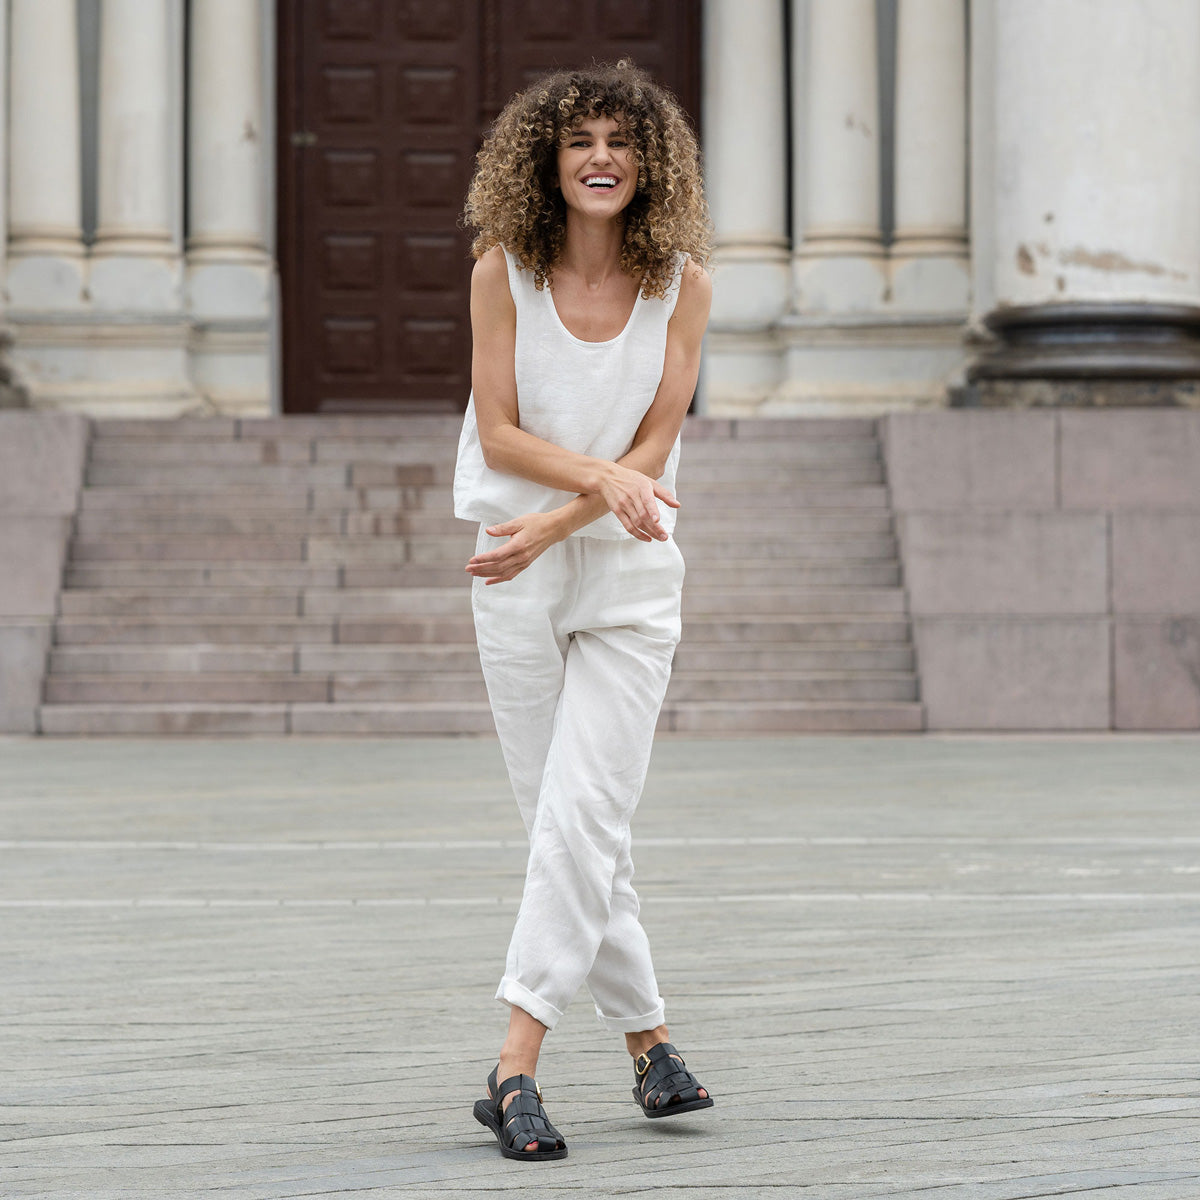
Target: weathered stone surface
959,459
1157,673
958,967
23,649
1037,563
32,551
1156,562
1020,672
1130,459
41,461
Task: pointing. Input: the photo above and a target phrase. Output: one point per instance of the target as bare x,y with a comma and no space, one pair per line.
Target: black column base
1077,393
1088,354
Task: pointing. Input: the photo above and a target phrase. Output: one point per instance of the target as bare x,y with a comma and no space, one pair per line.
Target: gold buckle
538,1088
637,1064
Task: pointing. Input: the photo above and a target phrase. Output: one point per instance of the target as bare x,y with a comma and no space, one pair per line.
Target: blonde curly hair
512,200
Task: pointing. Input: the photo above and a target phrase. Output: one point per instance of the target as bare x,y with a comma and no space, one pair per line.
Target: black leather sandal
524,1120
659,1075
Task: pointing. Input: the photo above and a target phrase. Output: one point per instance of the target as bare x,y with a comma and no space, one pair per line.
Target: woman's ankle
641,1041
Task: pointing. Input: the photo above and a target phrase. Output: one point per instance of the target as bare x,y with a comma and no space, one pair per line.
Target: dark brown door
382,105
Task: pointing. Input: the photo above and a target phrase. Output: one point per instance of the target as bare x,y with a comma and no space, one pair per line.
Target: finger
503,530
666,496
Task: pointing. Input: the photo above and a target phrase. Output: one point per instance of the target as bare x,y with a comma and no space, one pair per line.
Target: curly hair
512,200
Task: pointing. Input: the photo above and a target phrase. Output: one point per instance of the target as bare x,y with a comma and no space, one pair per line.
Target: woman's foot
521,1126
506,1069
640,1043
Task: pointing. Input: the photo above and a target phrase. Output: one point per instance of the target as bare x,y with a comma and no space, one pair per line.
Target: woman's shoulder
491,277
695,283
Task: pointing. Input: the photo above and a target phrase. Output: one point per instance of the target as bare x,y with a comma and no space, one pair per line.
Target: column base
1091,340
123,283
1077,393
231,363
839,283
105,367
867,365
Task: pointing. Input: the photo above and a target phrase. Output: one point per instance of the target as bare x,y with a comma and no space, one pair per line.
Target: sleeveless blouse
589,397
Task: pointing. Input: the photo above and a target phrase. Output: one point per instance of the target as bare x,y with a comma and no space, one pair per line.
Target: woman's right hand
633,497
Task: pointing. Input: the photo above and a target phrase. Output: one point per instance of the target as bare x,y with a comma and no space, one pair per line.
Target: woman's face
596,168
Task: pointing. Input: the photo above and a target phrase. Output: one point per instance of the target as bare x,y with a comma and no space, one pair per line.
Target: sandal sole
484,1113
671,1110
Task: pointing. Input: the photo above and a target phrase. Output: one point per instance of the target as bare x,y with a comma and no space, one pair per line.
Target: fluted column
745,151
45,243
226,159
839,265
135,260
929,268
1086,124
228,267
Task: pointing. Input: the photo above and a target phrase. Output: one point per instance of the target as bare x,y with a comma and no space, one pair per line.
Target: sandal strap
660,1075
524,1120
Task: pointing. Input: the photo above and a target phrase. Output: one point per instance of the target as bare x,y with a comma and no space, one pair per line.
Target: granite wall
42,457
1052,563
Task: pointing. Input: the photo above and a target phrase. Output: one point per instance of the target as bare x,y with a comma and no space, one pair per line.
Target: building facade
211,204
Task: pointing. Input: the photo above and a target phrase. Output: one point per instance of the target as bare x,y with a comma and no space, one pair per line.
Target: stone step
459,717
294,499
225,720
358,551
166,548
708,658
245,687
138,451
415,628
779,573
175,631
299,498
97,526
434,427
162,602
119,659
124,575
291,602
796,716
724,469
211,478
147,523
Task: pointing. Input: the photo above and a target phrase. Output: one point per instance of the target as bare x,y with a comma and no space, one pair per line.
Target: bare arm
534,532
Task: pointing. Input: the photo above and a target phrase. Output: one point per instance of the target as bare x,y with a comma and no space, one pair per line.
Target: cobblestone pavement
935,967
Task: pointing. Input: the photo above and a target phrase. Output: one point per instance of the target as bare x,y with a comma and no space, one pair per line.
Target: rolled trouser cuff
651,1020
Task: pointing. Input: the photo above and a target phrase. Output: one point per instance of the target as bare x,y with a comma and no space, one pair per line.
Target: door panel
383,104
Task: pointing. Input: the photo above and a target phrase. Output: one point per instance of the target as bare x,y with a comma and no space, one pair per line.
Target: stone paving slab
953,968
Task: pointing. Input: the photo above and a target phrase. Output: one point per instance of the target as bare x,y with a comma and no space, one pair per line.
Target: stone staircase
305,575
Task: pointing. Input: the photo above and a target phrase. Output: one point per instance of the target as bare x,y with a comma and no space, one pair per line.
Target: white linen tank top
589,397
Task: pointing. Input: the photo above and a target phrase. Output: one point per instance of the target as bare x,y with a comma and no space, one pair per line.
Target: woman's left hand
528,536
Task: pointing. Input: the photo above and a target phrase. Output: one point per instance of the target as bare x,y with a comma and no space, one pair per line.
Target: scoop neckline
583,341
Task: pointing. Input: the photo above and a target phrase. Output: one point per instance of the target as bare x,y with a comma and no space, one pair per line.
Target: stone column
45,237
228,266
745,153
135,263
929,268
839,266
1087,176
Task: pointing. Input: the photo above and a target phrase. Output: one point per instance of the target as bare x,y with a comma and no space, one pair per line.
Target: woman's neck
592,249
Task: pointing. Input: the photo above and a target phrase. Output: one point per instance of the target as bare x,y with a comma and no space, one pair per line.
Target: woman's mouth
601,182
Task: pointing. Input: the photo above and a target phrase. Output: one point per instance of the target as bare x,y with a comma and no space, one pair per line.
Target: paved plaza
936,967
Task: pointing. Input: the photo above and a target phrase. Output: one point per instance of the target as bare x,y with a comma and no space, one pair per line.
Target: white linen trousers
576,652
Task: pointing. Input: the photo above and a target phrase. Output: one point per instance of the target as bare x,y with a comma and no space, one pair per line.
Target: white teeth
602,181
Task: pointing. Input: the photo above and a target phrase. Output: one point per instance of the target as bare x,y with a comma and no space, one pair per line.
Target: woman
589,299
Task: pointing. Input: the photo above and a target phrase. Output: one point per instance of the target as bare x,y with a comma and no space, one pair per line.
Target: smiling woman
589,301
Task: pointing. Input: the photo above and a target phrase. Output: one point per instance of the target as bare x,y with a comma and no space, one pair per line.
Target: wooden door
382,107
